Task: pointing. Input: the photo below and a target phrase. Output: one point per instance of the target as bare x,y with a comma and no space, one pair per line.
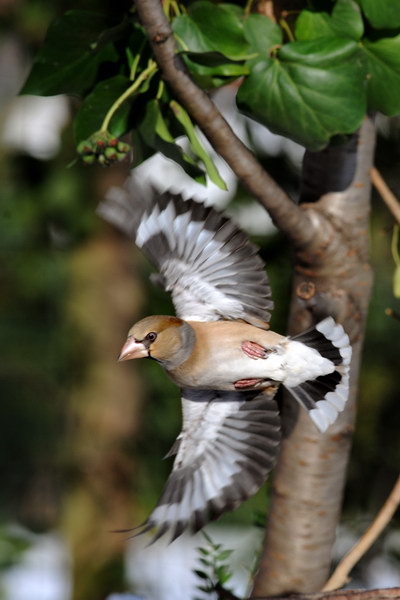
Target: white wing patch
208,264
324,386
228,445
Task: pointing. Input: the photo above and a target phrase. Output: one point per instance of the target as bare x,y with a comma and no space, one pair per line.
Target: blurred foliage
13,544
41,219
214,572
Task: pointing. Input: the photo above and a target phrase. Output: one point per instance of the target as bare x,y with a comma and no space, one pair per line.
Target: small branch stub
306,290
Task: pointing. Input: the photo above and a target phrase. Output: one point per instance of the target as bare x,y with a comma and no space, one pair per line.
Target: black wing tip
324,397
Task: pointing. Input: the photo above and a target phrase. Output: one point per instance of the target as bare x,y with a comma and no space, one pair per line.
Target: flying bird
220,352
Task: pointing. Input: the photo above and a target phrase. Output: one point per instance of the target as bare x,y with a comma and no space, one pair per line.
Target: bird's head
166,339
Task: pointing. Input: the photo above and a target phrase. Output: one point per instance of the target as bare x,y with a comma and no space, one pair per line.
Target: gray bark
332,276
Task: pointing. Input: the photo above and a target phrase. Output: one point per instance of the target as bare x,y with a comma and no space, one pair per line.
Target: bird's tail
326,396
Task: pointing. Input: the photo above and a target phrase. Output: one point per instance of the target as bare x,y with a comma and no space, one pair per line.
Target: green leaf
396,258
196,146
222,574
214,63
207,537
212,27
69,60
396,282
345,21
154,130
203,551
224,555
309,92
200,574
383,83
208,77
95,106
261,33
382,14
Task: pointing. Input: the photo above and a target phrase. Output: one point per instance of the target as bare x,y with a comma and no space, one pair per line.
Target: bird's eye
151,336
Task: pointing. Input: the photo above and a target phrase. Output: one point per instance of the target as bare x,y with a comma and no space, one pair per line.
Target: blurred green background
81,436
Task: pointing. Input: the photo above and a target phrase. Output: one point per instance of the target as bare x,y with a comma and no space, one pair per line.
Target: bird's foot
243,384
254,350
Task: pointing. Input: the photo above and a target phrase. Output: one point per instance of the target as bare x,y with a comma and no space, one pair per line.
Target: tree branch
340,575
380,594
386,194
287,216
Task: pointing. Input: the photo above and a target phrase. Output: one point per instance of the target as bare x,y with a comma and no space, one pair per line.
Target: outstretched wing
228,444
211,268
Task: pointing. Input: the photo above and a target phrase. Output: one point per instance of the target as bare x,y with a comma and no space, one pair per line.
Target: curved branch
340,575
386,194
287,216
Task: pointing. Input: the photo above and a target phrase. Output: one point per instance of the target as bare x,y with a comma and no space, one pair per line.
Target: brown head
168,340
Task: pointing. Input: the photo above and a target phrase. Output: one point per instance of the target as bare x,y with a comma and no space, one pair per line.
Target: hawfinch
219,351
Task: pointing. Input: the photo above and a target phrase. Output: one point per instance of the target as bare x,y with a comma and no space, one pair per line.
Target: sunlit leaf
154,130
383,83
261,33
396,282
382,14
196,145
211,27
308,91
345,21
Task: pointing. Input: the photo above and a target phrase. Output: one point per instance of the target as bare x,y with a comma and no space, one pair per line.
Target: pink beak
132,349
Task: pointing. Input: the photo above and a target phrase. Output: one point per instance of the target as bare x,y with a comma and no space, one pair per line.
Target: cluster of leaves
214,572
310,81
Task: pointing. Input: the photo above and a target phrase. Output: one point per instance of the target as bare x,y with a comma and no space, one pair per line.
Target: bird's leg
253,350
243,384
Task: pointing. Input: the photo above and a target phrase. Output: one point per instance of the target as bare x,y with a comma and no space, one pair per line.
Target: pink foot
253,350
242,384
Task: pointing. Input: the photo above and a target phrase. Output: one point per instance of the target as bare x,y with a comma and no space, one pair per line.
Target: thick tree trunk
332,276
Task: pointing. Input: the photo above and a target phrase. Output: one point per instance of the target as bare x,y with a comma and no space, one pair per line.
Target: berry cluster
103,148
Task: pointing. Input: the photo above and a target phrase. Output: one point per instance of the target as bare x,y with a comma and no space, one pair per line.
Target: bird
220,352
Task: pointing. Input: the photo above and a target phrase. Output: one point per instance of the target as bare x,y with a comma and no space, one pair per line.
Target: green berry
89,159
84,147
111,154
122,147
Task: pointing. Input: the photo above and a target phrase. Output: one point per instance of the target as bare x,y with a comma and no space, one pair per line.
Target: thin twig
340,575
288,217
386,194
128,92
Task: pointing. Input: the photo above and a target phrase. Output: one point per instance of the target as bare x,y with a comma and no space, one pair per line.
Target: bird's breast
217,360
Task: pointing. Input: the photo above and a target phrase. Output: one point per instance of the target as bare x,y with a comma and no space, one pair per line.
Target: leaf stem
283,23
249,6
134,66
131,90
